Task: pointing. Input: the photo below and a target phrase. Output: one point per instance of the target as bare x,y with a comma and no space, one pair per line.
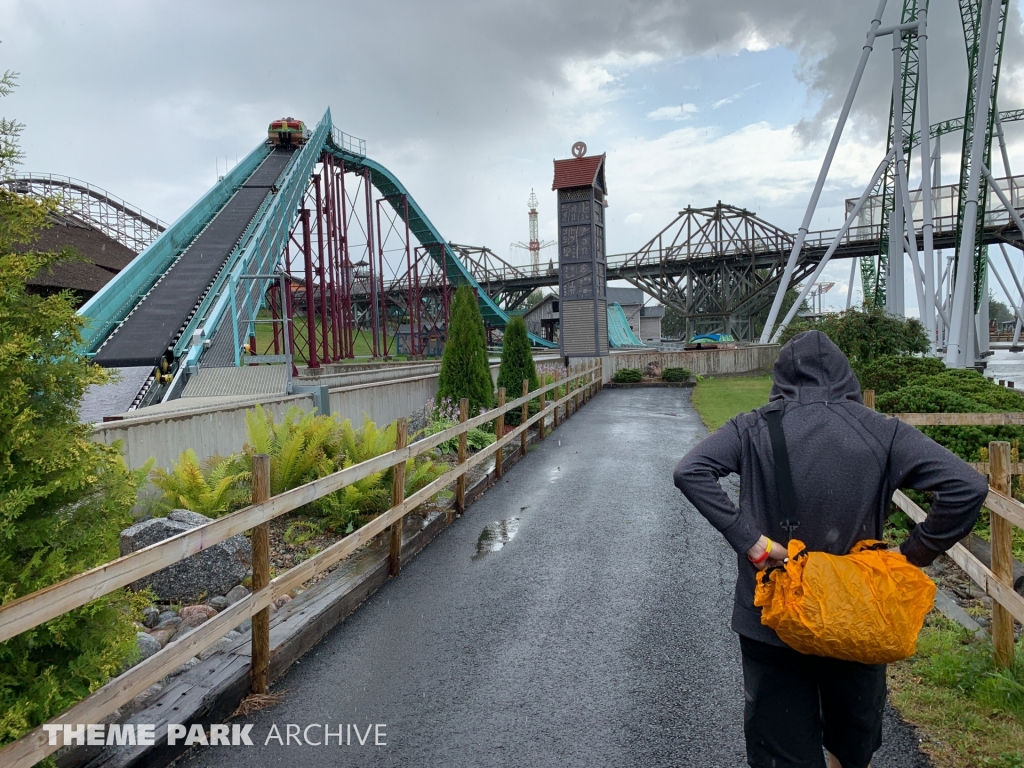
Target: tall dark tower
583,308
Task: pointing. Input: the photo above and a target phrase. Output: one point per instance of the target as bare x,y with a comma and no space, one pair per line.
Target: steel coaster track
258,251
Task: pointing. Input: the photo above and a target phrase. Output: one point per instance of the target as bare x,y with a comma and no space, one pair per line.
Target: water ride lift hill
195,298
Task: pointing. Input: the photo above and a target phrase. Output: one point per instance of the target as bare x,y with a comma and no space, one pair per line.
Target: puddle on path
554,474
495,536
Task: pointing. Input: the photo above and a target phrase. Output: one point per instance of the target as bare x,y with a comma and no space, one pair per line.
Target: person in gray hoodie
847,460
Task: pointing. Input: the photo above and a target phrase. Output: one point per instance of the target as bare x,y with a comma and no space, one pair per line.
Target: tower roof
580,172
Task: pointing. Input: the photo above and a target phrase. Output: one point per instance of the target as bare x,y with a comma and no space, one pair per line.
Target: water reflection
495,536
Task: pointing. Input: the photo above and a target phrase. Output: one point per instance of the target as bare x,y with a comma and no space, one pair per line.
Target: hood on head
811,368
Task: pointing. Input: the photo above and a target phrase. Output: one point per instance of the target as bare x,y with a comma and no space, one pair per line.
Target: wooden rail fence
29,611
1005,512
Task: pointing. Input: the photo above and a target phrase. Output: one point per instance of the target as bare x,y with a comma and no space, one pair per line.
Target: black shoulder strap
783,475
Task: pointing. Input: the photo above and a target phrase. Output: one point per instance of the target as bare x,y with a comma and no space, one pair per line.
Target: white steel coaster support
928,311
895,294
787,274
853,274
961,325
854,212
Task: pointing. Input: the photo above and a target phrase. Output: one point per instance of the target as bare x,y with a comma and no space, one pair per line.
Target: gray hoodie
847,460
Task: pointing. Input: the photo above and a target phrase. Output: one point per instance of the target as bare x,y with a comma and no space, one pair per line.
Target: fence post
576,387
555,416
868,395
540,424
260,669
525,415
460,483
1002,552
499,430
397,497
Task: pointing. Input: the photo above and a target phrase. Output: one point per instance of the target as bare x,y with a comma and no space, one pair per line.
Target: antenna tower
535,246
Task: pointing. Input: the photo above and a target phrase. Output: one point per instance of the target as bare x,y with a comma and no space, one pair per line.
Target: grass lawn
718,400
970,715
362,342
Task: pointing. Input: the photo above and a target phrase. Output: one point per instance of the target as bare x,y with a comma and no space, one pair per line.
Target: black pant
795,703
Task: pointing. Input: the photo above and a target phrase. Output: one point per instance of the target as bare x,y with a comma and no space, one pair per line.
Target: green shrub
445,415
864,335
888,373
516,365
64,498
920,385
922,398
974,386
627,376
302,447
465,370
675,374
212,488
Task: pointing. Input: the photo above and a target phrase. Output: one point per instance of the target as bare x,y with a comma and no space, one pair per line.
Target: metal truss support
960,349
902,110
316,263
794,256
91,205
984,58
395,273
716,266
498,277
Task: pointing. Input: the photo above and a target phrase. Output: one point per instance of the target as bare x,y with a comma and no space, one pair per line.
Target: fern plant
299,447
212,488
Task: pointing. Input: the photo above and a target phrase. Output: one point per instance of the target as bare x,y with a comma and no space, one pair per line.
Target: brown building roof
102,258
579,172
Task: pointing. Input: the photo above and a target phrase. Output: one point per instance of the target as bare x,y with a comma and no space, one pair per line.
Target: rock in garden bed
212,571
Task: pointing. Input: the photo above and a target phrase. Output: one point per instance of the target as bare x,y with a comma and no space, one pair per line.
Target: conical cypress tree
516,365
465,371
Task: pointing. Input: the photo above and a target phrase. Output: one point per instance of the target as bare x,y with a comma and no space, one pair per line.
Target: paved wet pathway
577,615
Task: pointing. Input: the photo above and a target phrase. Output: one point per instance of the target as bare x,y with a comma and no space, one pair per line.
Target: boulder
148,645
171,623
218,603
164,636
193,621
150,616
212,571
193,611
236,594
193,662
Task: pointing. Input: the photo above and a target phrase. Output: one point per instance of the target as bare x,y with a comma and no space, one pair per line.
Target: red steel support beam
307,254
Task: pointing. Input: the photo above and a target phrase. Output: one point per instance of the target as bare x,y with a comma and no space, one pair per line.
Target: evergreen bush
864,335
890,372
675,374
465,371
64,498
905,384
628,376
516,365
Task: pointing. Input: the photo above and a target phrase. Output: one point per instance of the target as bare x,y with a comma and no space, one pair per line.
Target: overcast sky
469,102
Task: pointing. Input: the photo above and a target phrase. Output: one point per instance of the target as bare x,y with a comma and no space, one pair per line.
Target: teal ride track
619,332
258,251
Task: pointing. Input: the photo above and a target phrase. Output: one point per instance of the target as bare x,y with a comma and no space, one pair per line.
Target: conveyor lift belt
153,326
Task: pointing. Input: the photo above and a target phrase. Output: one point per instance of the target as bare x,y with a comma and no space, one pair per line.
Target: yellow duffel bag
867,606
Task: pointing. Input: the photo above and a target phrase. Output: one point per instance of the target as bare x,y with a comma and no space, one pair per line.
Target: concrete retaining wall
220,429
211,431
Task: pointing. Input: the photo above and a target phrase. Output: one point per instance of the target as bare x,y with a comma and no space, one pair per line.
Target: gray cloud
467,99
